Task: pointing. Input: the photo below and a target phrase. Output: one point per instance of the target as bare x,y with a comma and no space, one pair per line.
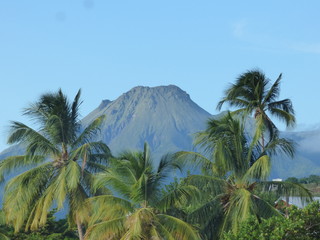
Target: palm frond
121,179
260,169
180,195
192,160
283,115
212,184
179,229
138,224
166,165
111,229
91,130
85,151
263,209
75,107
238,210
22,193
73,174
278,146
37,144
107,207
287,189
206,212
94,167
12,163
273,92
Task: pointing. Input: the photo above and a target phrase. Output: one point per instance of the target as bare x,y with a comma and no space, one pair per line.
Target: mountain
307,157
164,116
167,118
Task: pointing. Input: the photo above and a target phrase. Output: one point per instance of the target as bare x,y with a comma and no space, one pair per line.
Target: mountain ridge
167,118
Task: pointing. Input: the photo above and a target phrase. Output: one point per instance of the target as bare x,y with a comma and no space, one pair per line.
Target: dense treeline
301,224
305,180
128,196
52,230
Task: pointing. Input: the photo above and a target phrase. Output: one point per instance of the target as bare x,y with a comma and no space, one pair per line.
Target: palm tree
60,159
137,210
234,173
252,95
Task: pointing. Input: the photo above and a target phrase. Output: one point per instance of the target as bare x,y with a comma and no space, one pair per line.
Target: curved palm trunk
80,231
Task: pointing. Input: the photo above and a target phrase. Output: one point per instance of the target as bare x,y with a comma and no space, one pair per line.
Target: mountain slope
164,116
307,157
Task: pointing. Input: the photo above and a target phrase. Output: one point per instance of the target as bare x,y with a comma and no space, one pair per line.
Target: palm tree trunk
80,231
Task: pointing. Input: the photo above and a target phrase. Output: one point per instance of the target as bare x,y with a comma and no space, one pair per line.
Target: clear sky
107,47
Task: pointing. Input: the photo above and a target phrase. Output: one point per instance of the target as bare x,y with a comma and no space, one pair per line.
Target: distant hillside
167,118
307,159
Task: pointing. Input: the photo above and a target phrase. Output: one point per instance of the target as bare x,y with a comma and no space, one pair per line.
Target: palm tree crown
139,211
60,159
252,94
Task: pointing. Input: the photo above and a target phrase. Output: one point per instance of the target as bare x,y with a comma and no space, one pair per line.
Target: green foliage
235,195
312,179
292,180
301,224
252,94
306,180
52,230
60,158
234,177
140,210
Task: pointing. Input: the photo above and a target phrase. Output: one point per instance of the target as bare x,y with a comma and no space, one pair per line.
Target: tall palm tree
252,94
60,159
234,173
137,210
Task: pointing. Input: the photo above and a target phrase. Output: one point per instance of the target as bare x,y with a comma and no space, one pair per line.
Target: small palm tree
252,94
60,159
234,173
138,211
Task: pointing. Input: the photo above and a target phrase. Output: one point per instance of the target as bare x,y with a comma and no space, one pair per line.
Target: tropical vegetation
61,159
226,193
234,175
301,224
137,209
53,230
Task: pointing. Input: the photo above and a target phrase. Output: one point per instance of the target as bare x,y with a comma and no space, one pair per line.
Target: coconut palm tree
252,94
234,173
137,210
59,158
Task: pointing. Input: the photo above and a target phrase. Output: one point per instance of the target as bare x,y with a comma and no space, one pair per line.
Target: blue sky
107,47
